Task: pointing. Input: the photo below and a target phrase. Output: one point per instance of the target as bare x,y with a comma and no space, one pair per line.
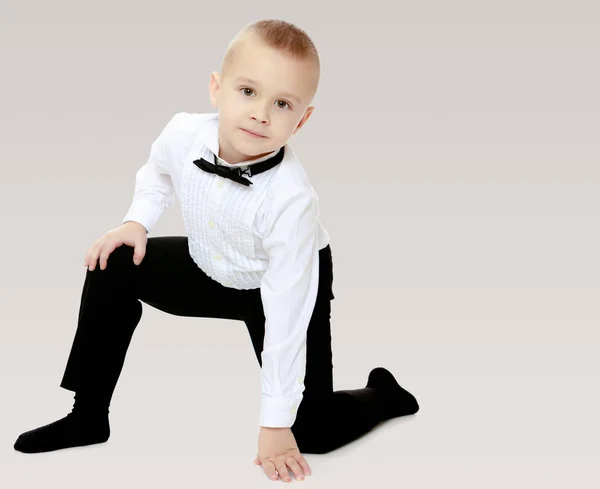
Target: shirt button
293,410
221,184
217,257
299,380
211,224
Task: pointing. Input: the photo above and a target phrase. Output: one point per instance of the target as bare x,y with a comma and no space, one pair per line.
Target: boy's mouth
253,133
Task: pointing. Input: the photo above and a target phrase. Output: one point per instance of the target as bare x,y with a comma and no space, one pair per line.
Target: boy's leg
111,307
327,419
167,279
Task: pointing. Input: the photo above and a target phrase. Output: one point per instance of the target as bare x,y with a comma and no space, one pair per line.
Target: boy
256,251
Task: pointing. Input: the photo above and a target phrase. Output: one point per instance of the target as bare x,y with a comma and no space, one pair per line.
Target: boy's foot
398,401
71,431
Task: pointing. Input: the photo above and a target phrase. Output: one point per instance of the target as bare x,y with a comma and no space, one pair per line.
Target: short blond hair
280,35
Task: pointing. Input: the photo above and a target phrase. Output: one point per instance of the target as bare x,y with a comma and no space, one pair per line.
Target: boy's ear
213,88
305,117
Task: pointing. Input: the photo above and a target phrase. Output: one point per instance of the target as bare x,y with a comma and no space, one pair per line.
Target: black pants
168,279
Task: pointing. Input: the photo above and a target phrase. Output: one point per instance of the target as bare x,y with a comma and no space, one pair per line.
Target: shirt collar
212,143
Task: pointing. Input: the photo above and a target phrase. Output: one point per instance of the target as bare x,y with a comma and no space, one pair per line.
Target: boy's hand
130,233
277,450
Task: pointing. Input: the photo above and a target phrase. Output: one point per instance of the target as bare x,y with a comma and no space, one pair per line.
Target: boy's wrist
138,224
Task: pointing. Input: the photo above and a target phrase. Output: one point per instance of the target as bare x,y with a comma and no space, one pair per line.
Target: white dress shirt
266,235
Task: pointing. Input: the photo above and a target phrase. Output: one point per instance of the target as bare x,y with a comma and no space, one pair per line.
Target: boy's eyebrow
254,82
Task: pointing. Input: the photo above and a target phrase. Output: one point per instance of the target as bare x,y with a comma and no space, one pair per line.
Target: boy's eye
245,91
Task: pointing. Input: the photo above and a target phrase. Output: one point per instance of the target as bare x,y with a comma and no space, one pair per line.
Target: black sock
87,424
397,400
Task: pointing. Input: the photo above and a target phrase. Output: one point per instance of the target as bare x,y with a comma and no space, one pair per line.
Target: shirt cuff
278,412
145,212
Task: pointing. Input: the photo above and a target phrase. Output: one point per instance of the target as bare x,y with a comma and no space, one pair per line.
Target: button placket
216,198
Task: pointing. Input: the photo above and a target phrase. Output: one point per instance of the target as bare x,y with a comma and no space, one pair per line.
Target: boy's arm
154,190
288,291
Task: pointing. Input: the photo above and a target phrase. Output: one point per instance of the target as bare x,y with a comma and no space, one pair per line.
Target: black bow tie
235,174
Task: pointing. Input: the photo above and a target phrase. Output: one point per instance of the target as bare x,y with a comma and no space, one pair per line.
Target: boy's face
263,91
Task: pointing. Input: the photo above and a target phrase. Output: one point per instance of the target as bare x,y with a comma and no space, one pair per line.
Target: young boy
256,251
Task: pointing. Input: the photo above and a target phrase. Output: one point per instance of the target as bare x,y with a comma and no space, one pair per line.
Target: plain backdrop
455,151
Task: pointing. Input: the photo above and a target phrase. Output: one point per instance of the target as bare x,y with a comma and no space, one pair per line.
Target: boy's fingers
89,252
296,469
88,257
282,469
139,253
107,250
92,260
269,468
102,258
94,254
304,464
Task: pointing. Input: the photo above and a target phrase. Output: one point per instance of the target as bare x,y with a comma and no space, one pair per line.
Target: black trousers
169,280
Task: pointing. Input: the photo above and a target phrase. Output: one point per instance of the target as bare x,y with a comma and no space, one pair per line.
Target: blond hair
280,35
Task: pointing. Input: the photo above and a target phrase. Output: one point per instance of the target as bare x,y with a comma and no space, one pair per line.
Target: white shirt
266,235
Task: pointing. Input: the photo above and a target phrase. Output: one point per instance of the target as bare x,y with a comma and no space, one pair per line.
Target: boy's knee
317,442
119,258
312,438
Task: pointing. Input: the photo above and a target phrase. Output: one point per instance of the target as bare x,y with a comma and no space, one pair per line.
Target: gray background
454,149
